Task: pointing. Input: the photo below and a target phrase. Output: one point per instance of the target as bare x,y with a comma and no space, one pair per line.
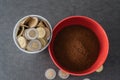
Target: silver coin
50,73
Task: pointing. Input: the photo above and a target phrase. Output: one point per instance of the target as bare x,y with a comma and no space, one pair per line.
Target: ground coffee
76,48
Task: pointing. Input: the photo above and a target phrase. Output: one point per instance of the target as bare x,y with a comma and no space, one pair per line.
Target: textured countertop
16,65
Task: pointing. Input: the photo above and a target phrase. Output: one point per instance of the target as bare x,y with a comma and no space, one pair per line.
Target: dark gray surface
16,65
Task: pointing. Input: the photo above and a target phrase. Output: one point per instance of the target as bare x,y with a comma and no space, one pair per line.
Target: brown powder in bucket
76,48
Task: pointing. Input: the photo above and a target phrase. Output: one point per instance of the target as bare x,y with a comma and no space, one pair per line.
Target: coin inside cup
34,45
33,22
20,30
31,33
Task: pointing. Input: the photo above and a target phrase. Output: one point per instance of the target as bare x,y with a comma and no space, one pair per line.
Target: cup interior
94,27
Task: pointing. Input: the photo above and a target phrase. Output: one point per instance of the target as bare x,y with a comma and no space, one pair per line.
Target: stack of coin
33,33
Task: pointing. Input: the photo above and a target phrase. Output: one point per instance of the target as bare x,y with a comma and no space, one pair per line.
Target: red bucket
90,24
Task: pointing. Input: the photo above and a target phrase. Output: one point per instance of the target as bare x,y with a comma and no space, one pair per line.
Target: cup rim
14,34
98,65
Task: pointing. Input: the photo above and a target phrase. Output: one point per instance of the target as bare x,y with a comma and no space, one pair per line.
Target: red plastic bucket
90,24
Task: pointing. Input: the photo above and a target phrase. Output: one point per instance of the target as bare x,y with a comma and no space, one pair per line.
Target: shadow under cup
94,27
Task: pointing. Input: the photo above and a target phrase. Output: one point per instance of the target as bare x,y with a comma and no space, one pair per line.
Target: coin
46,24
20,30
41,24
86,79
50,73
33,22
34,45
41,32
63,74
100,69
25,26
47,33
43,41
25,21
31,33
22,41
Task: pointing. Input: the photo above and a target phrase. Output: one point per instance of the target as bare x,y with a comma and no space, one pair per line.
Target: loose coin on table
86,79
50,73
100,69
63,74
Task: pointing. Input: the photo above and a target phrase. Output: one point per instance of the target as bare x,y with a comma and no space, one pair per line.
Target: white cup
16,29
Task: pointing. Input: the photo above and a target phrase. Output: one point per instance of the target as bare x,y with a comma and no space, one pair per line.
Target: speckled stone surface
16,65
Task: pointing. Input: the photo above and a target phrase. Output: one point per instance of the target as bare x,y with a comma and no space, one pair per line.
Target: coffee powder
76,48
